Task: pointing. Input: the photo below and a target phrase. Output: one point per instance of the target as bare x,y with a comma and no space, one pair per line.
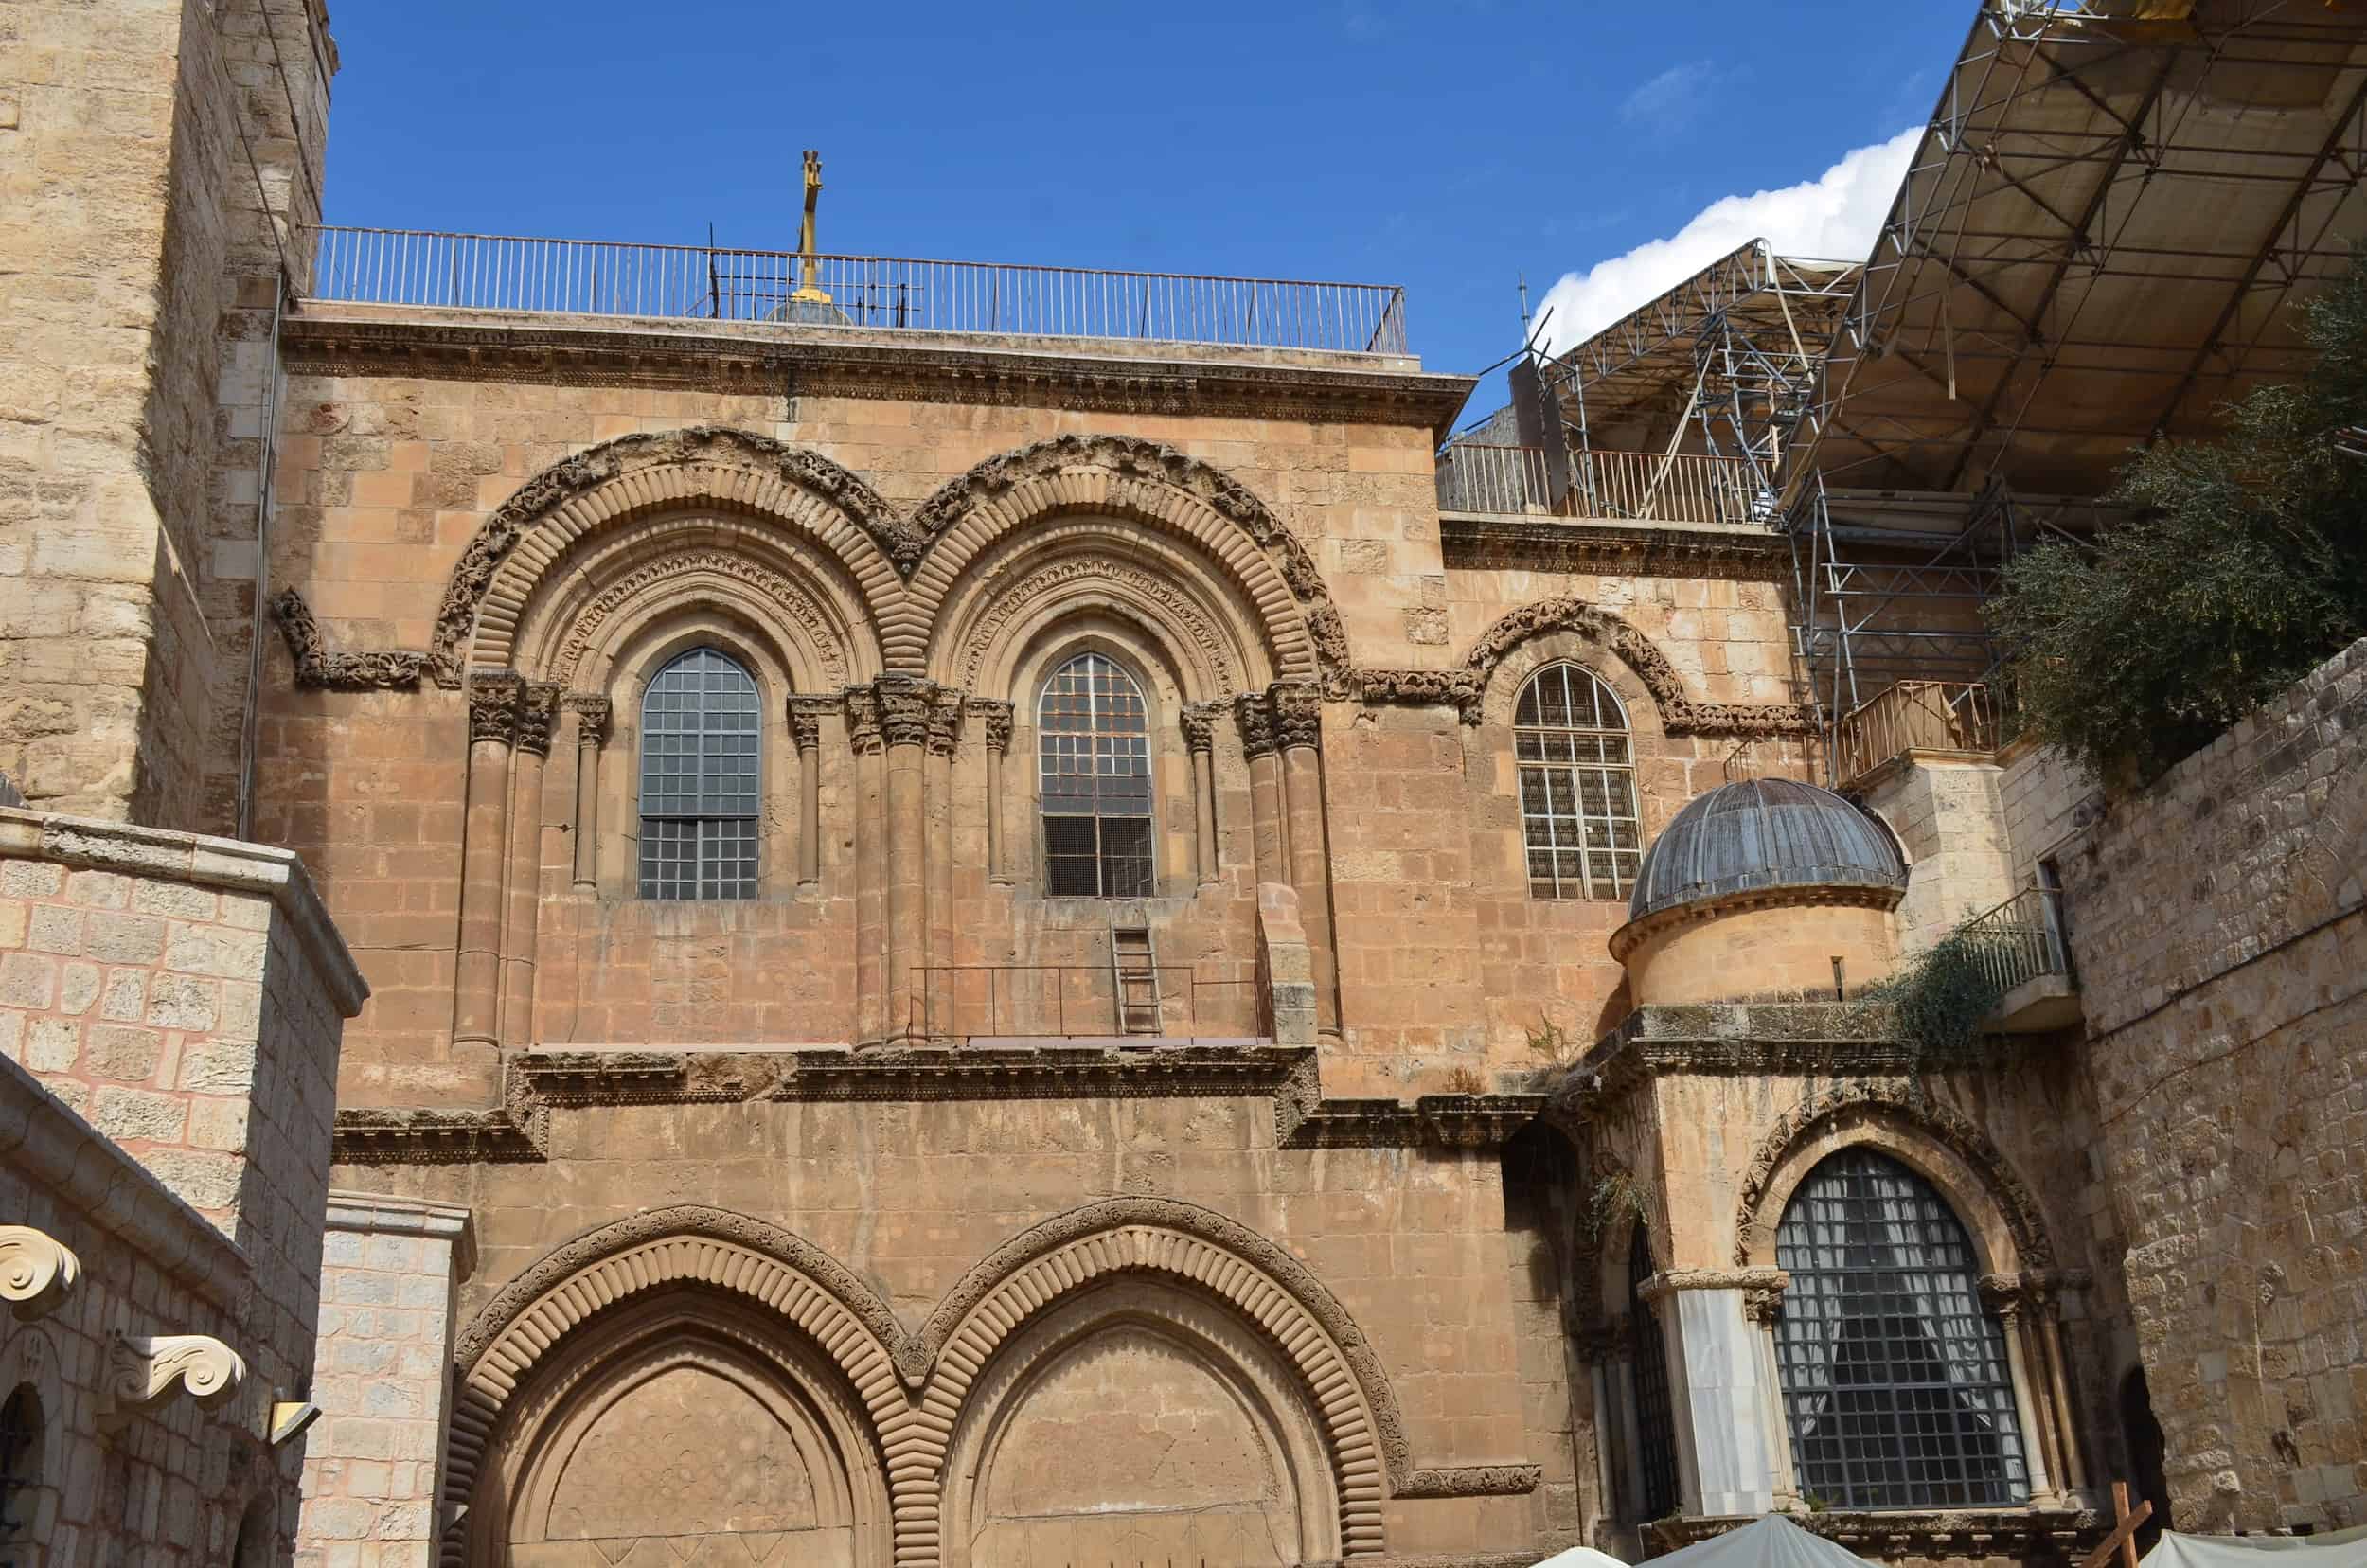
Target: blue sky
1447,145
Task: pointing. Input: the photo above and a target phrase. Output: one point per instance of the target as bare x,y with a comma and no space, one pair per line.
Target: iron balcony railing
1050,1001
494,272
1914,716
1474,476
2021,940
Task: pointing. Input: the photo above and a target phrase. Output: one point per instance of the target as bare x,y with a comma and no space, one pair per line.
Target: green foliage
1939,998
2247,568
1550,1041
1618,1199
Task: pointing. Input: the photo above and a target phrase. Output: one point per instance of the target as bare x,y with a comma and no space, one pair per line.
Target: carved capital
538,712
1199,724
805,720
1762,1304
36,1271
142,1369
2008,1295
996,718
493,701
592,719
1298,713
945,721
863,719
904,709
1254,716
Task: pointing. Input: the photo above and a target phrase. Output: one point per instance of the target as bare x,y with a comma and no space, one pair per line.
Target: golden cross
807,289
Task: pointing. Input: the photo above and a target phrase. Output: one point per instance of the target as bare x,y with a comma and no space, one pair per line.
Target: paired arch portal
1135,1379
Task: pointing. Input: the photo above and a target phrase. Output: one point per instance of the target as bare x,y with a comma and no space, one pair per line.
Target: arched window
1648,1358
699,736
1093,741
1578,786
1896,1383
20,1464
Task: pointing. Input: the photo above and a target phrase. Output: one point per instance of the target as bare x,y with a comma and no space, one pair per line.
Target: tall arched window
1093,741
20,1464
700,734
1578,786
1897,1388
1647,1359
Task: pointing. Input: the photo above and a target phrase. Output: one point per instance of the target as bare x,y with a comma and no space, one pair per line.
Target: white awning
2341,1549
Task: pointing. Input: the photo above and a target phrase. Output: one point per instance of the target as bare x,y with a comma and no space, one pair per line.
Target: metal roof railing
490,272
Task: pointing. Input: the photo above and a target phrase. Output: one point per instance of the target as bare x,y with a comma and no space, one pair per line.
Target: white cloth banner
2342,1549
1773,1541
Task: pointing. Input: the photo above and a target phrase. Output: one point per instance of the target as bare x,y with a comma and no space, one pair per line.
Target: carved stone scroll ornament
36,1272
142,1369
538,712
996,718
593,715
493,703
373,669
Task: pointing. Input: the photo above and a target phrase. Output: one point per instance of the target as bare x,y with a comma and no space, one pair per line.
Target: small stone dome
1763,833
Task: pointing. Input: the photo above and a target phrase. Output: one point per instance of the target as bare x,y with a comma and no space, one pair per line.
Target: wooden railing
1913,716
1643,485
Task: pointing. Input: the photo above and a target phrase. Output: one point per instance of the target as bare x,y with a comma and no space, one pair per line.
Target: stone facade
2239,963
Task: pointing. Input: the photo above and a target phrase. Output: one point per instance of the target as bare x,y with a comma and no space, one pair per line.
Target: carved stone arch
1501,687
1205,1252
1214,637
1145,482
1996,1207
793,1282
1678,713
592,599
701,467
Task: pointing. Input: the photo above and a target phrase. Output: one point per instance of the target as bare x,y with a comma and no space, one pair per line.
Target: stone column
864,740
1267,840
1726,1402
2046,1301
1298,717
996,718
945,738
1762,1304
538,713
1199,724
805,733
591,715
476,993
2004,1295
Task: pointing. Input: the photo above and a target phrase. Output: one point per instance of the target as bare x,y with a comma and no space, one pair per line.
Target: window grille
1647,1356
1093,743
1895,1384
700,802
20,1465
1578,787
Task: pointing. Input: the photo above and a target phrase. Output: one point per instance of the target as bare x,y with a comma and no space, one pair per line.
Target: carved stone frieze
1472,1481
538,714
1460,689
1902,1101
591,718
495,699
1626,549
995,718
434,1135
37,1272
1668,1281
1010,603
376,669
142,1369
1254,715
781,594
1298,713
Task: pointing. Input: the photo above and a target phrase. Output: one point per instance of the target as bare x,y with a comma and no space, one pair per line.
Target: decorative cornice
1514,1480
592,719
1433,1121
375,670
1051,1072
1797,896
439,1135
904,366
1460,689
1474,542
1678,713
2028,1532
1198,720
142,1369
538,712
995,718
494,698
37,1272
1669,1281
1298,713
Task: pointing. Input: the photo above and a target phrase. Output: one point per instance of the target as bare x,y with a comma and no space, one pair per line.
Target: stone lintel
94,1177
386,1214
232,864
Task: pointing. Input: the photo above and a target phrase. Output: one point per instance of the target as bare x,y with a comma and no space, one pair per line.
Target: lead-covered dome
1763,833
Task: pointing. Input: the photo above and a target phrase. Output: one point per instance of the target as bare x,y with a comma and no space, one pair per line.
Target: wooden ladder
1134,979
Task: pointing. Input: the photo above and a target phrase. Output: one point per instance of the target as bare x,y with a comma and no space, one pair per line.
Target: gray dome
1764,832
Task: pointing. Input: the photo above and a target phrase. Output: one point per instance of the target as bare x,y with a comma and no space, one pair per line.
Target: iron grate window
700,790
1647,1355
1092,742
1578,787
1896,1383
20,1459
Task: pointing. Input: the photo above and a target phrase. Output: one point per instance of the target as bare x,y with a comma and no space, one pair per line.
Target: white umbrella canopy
1581,1556
2342,1549
1773,1541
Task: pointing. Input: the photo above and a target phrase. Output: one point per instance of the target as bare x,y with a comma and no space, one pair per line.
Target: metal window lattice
1093,744
1578,787
1896,1383
700,737
1655,1416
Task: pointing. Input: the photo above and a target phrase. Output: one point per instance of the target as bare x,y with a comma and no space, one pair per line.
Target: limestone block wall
1950,820
2047,800
2217,922
390,1270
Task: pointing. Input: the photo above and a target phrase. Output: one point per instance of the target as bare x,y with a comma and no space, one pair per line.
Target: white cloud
1833,216
1671,99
